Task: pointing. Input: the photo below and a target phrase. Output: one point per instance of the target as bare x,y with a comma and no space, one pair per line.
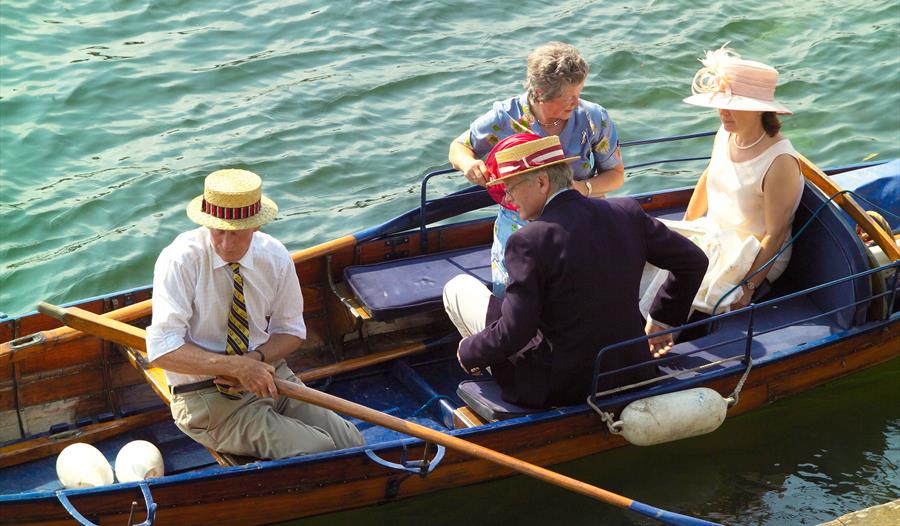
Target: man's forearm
191,359
279,346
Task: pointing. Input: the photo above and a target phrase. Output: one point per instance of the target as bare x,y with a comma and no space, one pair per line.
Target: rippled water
111,113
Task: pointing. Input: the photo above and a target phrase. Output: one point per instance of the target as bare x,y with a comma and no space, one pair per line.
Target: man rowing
227,311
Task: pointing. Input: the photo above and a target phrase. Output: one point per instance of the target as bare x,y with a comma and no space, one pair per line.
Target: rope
614,426
735,395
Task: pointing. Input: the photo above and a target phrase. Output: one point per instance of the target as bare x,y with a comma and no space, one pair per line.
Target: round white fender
672,416
82,465
138,460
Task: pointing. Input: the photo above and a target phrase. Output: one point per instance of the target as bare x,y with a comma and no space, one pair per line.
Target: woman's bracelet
262,357
588,184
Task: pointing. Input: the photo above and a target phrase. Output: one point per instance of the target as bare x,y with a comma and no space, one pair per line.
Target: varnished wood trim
41,447
817,177
320,250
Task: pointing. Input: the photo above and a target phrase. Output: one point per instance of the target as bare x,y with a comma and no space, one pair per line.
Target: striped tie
237,339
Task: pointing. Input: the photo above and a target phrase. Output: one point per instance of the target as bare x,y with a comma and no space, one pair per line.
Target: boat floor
378,388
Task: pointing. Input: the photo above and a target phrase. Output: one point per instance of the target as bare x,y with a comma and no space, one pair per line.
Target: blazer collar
562,198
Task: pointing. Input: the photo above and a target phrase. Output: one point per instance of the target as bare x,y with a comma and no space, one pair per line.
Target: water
111,113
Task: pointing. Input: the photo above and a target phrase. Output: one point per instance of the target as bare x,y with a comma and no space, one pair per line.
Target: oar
125,334
884,239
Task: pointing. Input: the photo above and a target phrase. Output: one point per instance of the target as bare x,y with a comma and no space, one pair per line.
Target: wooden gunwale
296,488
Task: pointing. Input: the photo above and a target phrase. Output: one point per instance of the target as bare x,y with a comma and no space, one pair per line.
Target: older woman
551,105
743,206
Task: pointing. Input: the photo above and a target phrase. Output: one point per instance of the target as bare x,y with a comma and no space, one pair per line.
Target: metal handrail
423,201
750,337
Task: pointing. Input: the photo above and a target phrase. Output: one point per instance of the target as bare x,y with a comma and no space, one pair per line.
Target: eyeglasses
509,189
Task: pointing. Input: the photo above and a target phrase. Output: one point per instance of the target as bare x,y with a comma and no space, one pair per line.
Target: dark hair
771,123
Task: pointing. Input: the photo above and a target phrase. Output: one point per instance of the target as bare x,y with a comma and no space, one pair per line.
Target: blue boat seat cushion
399,288
483,397
827,250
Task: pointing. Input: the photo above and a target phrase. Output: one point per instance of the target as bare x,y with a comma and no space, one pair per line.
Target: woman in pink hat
753,183
743,205
550,105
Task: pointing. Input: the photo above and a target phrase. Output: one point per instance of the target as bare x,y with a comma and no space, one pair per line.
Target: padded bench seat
402,287
483,397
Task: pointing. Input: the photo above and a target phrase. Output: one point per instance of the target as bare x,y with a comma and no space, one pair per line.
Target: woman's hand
476,172
745,298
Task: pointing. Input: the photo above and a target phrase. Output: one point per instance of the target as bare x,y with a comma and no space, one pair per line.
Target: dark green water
111,114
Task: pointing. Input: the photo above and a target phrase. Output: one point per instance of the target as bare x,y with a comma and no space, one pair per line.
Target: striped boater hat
527,157
232,200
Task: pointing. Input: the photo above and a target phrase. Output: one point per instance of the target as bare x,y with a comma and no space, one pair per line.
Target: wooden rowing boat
58,385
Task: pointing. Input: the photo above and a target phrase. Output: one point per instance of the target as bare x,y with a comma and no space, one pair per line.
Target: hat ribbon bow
532,160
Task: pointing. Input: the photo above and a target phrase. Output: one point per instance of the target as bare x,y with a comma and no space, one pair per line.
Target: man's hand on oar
251,375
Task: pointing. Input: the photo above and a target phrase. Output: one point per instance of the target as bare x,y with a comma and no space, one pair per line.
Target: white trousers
466,302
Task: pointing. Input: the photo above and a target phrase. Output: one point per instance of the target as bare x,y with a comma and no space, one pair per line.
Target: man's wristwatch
750,286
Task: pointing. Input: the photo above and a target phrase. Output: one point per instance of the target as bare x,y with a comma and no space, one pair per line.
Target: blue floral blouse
589,134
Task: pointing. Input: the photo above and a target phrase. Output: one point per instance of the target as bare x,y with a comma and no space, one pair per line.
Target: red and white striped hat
232,200
526,157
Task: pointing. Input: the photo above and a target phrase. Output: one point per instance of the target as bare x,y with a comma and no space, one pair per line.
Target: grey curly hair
549,66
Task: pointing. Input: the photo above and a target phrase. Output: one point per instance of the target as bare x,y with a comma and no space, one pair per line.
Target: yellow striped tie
237,340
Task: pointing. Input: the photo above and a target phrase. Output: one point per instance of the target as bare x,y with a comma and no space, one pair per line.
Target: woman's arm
698,204
603,183
781,186
463,159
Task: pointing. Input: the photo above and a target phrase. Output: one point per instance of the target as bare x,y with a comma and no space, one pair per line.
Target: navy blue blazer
574,275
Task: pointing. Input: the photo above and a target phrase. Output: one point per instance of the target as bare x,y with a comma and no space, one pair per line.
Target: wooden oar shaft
885,240
98,325
13,351
362,412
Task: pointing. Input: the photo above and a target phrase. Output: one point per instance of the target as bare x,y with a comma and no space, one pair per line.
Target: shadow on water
803,460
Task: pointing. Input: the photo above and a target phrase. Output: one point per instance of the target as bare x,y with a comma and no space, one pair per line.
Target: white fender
138,460
673,416
82,465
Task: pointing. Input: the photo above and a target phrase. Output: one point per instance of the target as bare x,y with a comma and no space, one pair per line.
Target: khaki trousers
466,302
262,427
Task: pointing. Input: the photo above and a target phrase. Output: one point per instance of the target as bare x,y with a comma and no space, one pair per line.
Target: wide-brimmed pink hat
729,82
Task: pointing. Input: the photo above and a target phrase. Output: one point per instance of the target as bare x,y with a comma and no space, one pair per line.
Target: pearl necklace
548,124
543,125
757,141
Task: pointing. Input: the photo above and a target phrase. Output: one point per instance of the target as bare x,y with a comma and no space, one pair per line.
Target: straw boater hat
526,157
729,82
232,200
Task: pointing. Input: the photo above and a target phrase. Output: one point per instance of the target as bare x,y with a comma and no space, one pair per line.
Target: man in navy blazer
574,275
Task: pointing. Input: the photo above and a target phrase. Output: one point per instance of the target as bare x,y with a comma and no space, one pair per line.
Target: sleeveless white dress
729,234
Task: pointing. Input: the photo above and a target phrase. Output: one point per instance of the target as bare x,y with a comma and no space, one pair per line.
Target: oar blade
668,517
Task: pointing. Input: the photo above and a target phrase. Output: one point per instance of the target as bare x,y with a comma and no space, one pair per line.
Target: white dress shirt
192,290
